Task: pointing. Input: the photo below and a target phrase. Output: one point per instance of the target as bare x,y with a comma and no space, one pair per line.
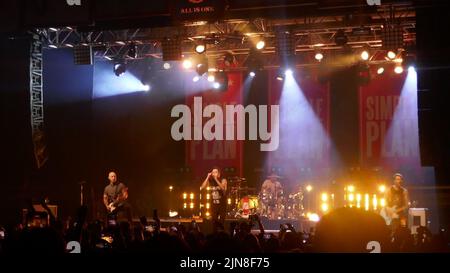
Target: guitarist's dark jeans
402,220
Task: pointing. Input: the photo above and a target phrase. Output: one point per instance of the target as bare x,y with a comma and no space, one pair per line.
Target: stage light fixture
280,77
288,72
391,55
196,79
365,55
252,74
216,85
166,66
324,207
314,217
380,70
398,69
309,188
382,188
260,44
318,56
351,197
187,64
411,69
211,78
200,48
146,89
119,68
132,51
202,67
374,202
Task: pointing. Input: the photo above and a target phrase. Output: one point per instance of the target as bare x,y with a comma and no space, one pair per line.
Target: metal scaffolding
37,99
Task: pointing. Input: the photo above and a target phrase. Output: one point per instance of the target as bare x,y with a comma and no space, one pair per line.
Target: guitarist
397,202
114,198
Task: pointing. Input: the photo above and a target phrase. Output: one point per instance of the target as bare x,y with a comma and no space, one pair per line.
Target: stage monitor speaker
417,217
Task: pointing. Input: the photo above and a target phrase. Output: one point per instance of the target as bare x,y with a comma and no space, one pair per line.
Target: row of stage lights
364,56
218,79
353,199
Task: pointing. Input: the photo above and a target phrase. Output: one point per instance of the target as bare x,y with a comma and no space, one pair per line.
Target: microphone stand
81,192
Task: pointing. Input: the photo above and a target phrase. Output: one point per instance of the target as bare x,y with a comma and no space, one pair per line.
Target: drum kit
243,201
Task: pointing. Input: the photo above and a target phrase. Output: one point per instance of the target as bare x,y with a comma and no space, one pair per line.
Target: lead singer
218,188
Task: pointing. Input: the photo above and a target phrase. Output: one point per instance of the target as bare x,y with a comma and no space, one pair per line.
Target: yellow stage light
351,188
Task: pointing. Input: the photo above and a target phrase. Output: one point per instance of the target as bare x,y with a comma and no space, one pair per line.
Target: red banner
304,123
388,121
203,154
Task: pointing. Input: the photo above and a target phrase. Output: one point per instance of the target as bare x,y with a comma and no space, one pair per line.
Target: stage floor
270,226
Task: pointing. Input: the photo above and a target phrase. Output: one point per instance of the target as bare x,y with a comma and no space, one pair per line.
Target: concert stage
270,226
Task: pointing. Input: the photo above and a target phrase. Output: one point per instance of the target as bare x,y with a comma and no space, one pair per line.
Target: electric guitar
111,207
389,214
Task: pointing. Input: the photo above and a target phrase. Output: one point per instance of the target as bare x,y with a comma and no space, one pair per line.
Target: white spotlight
187,64
365,55
391,55
216,85
380,70
318,56
411,69
288,72
200,48
166,66
398,69
196,79
146,88
211,78
252,74
260,45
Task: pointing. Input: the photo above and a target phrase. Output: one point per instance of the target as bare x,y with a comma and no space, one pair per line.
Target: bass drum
248,205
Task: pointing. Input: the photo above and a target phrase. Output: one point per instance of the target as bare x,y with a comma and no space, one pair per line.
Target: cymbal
236,178
274,176
243,188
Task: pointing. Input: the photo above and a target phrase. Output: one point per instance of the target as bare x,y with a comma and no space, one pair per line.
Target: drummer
271,186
